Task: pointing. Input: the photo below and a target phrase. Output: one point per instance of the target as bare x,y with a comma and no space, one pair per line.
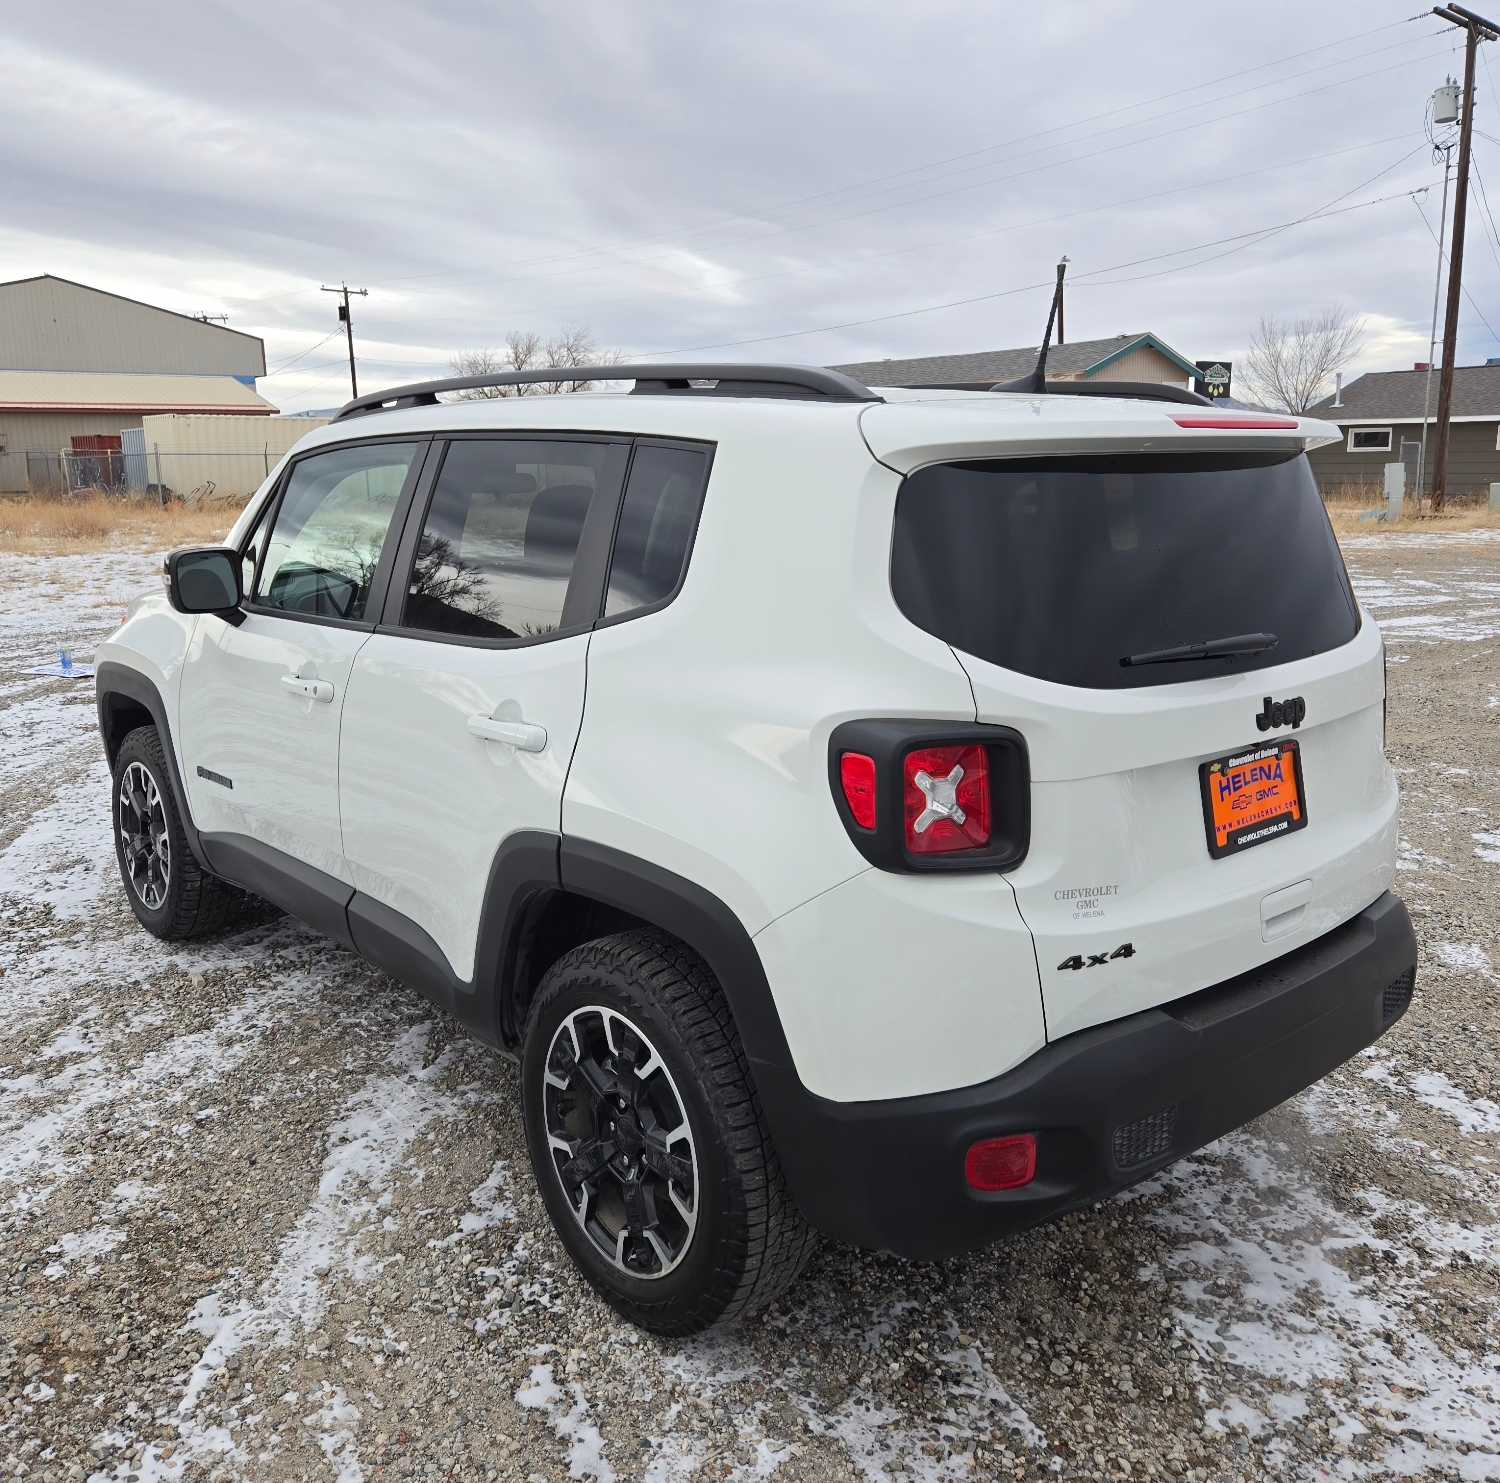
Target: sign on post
1213,378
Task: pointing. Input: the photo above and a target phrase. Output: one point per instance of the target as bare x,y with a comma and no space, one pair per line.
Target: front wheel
647,1141
171,895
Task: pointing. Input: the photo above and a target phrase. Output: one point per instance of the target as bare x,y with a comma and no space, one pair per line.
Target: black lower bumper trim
1109,1105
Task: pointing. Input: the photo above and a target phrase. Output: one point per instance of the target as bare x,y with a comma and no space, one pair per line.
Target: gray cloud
675,175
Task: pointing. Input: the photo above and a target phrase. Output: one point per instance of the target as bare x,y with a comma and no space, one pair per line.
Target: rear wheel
171,895
647,1141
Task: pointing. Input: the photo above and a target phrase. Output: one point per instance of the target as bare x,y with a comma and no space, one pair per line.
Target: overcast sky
680,176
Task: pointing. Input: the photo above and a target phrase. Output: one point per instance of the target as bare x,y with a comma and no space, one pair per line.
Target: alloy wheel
145,842
621,1145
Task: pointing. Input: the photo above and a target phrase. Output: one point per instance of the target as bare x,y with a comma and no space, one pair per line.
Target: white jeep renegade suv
900,814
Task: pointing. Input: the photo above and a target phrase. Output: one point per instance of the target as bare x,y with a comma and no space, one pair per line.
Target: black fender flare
112,679
717,935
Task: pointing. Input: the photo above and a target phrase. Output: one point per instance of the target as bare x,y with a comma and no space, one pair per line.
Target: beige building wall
47,434
50,324
1144,364
233,453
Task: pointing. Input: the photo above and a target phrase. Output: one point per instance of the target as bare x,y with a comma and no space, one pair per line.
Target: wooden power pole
1477,29
347,320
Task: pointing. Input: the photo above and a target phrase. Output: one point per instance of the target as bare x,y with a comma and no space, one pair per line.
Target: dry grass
1348,505
69,524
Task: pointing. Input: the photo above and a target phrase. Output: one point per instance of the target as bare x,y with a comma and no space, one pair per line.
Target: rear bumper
1110,1105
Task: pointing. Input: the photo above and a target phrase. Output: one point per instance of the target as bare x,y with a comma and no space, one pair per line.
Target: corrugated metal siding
48,433
234,453
1144,364
49,324
1473,462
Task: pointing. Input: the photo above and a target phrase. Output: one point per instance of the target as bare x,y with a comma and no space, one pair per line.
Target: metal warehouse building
80,367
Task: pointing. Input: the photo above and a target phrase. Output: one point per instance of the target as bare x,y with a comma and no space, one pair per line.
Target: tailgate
1194,813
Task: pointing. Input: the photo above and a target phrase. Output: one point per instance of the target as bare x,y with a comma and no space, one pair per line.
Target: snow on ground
268,1217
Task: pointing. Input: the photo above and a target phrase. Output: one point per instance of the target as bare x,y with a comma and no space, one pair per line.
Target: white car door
261,699
465,706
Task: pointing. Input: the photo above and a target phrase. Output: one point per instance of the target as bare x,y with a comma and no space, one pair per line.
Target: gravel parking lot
265,1215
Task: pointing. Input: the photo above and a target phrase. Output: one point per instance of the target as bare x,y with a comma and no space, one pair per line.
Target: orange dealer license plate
1252,797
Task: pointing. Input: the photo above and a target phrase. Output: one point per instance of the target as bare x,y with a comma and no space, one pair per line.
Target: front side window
330,529
501,534
658,518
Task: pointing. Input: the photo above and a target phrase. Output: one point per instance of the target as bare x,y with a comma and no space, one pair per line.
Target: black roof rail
813,383
1147,391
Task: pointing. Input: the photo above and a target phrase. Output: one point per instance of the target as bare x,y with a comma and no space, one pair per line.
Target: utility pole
1476,29
1062,267
347,320
1437,286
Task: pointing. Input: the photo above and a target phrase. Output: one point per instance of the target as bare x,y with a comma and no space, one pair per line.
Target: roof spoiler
812,383
1146,391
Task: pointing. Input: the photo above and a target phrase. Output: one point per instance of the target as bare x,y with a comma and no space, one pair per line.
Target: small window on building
657,522
1369,440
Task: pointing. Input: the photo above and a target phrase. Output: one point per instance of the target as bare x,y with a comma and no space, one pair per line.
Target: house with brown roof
1381,416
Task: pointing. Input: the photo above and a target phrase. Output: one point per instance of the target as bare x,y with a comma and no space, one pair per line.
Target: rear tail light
857,779
947,799
996,1164
924,796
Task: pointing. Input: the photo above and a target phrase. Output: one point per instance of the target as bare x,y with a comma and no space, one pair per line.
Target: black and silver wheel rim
145,842
620,1142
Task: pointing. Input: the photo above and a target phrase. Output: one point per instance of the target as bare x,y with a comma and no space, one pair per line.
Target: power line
1492,236
293,361
1047,283
1470,297
523,269
1274,231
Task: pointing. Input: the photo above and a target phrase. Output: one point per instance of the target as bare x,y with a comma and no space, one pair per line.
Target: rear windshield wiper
1225,648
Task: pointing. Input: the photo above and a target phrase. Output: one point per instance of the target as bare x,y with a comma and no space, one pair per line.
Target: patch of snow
569,1418
1465,957
1487,846
76,1247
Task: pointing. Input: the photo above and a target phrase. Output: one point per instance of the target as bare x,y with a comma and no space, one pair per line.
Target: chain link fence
141,472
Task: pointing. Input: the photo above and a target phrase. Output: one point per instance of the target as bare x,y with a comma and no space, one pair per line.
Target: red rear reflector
857,778
947,799
1001,1163
1279,424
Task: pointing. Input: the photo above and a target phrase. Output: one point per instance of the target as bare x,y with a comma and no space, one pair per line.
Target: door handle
521,735
309,689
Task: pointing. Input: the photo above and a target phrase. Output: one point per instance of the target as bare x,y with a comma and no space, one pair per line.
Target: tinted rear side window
1059,568
657,521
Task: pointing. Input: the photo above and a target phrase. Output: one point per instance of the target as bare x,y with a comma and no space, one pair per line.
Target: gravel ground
264,1215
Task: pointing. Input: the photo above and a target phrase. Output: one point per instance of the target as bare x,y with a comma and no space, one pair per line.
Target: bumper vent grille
1145,1139
1397,997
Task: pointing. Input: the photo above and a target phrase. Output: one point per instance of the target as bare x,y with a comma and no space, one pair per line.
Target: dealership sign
1213,377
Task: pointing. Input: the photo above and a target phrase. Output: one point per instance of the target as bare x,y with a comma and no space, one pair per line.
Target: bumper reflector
1001,1163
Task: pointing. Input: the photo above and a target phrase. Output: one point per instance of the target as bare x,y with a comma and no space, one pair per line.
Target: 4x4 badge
1282,713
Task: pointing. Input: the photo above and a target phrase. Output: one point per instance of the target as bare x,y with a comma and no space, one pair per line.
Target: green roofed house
1141,357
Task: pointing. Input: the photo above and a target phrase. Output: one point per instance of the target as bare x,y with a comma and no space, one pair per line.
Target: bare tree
528,351
1291,362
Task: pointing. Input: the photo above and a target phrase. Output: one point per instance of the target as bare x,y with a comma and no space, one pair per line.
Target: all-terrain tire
183,900
750,1242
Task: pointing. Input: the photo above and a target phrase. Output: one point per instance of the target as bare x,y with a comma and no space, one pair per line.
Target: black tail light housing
990,787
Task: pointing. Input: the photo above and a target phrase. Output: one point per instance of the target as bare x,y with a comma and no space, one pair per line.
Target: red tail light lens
857,778
1001,1163
947,799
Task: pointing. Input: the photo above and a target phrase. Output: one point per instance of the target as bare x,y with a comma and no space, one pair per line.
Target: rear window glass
1060,568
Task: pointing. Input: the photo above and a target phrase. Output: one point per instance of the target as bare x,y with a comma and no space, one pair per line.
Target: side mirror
205,579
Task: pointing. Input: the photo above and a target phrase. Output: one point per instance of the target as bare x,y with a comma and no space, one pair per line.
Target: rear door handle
521,735
321,690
